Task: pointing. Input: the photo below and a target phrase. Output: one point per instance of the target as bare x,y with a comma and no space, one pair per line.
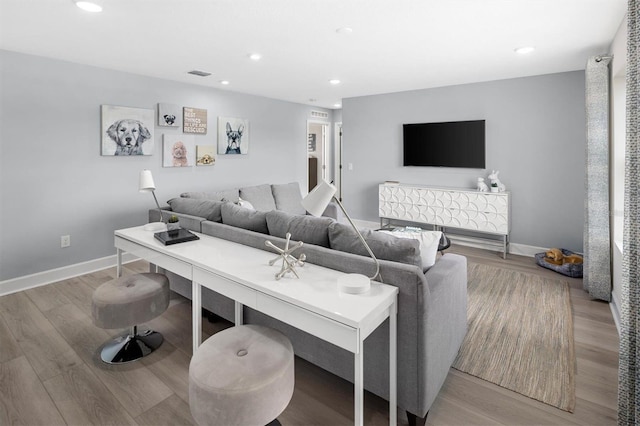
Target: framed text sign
194,120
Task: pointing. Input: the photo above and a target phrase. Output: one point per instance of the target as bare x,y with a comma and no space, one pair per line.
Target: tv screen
449,144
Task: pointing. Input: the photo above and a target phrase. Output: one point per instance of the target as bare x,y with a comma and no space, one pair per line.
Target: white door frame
326,145
337,158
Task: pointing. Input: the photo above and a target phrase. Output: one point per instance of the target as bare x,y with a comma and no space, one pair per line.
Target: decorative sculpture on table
482,187
289,262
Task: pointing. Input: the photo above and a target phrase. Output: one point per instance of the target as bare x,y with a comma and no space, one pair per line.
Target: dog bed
573,270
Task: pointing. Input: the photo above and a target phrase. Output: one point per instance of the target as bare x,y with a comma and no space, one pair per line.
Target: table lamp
315,202
147,185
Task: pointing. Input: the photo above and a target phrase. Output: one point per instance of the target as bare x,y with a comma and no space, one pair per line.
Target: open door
318,154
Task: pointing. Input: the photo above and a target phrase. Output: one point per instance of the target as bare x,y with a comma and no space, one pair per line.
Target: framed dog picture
205,155
126,131
169,115
233,136
179,151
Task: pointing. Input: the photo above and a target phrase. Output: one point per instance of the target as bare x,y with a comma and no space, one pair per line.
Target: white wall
535,136
54,182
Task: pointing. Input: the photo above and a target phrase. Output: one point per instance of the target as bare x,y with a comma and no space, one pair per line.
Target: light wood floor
50,375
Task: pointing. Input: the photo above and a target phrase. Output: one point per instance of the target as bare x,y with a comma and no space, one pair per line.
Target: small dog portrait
169,119
179,152
129,135
234,139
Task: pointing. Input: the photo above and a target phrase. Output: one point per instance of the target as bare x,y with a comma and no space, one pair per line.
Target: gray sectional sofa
432,305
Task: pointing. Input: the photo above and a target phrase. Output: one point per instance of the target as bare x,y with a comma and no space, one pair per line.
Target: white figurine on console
482,187
495,182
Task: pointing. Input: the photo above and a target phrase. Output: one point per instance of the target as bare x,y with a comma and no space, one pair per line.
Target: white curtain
597,244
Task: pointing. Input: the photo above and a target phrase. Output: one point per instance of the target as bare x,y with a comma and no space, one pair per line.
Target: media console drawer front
464,209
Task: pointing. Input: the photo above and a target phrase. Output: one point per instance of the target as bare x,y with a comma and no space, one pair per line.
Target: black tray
174,237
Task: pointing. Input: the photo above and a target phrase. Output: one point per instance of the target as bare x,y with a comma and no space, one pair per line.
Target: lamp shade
319,198
146,181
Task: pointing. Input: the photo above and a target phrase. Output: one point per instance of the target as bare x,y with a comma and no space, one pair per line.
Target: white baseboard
54,275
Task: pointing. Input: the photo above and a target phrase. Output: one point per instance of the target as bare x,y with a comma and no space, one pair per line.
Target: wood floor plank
171,365
78,292
23,398
49,354
137,388
84,400
23,317
9,348
47,297
173,411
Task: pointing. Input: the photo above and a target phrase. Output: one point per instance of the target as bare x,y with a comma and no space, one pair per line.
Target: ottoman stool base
131,346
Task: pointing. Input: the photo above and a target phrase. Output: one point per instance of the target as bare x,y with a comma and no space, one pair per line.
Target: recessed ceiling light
334,81
312,99
344,30
224,82
337,105
89,6
255,56
524,50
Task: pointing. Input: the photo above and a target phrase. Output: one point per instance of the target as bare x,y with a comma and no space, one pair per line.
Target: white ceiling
395,45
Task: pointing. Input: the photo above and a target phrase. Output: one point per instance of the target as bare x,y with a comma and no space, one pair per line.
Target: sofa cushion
429,241
241,217
259,196
309,229
226,195
288,198
384,247
209,209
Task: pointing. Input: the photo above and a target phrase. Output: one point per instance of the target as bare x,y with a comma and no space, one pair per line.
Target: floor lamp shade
146,184
319,198
315,203
146,181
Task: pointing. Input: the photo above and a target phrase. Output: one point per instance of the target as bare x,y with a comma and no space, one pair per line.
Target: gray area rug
520,334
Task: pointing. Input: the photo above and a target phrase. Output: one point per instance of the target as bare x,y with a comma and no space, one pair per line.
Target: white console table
311,303
467,209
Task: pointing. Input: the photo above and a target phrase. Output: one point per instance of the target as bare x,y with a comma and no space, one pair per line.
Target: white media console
467,209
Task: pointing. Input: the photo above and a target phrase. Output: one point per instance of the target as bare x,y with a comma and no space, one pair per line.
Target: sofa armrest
333,211
187,221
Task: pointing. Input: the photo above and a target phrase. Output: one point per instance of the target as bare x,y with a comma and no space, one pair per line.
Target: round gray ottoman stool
243,375
126,302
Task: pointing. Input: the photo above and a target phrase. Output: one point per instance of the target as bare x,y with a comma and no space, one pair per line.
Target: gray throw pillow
288,198
259,196
226,195
384,247
244,218
309,229
209,209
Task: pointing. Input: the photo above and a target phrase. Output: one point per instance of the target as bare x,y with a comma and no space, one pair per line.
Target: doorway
319,166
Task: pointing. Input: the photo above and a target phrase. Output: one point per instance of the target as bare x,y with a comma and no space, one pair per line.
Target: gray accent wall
54,182
535,136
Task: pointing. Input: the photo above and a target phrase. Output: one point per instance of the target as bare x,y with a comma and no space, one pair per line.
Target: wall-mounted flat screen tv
449,144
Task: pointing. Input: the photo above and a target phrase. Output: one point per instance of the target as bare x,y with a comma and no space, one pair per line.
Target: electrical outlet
65,241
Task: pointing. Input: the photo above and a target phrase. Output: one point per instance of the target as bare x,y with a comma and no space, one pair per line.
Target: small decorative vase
494,189
173,228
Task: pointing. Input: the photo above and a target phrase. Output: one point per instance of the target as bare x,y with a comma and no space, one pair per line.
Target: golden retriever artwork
129,135
127,131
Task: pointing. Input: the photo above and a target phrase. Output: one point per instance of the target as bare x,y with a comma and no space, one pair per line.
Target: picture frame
126,131
169,115
233,136
178,150
194,120
205,155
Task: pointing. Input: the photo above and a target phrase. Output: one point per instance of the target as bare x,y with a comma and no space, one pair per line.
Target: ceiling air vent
319,114
199,73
